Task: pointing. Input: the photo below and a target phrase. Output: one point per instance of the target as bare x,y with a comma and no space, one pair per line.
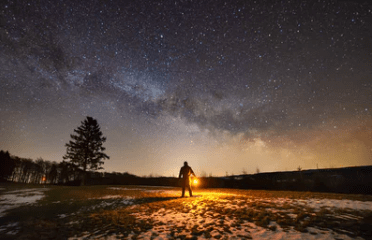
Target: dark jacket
186,171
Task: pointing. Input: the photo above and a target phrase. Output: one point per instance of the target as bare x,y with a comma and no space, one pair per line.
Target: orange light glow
195,181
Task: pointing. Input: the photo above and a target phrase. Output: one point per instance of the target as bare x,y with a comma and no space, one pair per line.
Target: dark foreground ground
138,212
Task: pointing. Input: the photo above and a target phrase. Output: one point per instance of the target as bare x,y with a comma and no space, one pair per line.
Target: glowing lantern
195,182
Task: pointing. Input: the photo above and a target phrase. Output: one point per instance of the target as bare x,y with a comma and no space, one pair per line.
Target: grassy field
137,212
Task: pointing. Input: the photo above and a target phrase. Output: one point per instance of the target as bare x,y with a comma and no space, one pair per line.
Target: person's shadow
193,196
155,199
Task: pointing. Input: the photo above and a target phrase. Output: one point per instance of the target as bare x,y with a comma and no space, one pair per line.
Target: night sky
229,86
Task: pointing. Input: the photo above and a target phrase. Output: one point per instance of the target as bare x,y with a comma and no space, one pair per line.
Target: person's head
185,163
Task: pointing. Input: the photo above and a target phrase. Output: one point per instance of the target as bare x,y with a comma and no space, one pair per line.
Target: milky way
225,85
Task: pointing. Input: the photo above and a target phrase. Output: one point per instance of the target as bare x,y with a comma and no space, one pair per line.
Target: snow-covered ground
335,203
209,215
17,198
201,217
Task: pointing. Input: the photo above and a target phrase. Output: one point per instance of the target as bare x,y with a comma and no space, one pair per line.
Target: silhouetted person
186,172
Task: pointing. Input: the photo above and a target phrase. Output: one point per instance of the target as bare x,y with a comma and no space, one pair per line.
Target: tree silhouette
53,173
7,165
85,150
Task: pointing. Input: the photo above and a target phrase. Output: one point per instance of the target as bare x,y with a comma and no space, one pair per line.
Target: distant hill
340,180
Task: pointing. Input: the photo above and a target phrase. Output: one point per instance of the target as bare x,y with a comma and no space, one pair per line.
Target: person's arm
179,176
192,172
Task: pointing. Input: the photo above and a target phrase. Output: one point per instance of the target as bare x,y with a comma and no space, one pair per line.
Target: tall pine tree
85,150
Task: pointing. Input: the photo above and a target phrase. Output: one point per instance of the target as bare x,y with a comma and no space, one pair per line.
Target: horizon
204,175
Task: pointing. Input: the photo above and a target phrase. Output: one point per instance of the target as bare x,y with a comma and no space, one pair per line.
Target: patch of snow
335,203
4,227
87,235
125,189
110,197
292,215
14,199
119,200
10,229
166,222
349,217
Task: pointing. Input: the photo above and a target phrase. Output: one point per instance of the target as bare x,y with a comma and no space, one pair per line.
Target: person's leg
188,184
183,187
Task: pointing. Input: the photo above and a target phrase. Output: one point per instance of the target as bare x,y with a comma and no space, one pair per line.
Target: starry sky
229,86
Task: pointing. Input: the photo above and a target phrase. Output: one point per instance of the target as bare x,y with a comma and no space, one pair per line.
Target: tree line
39,171
85,152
